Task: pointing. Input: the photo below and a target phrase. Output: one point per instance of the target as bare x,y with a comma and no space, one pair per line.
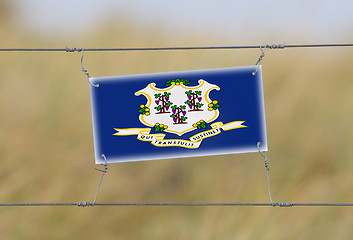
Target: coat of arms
178,109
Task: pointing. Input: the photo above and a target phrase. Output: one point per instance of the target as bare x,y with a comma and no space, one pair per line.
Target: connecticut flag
178,114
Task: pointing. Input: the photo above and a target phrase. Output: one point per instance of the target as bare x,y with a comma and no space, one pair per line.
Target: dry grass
46,147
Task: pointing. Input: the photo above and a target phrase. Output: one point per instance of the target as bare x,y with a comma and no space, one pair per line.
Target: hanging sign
178,114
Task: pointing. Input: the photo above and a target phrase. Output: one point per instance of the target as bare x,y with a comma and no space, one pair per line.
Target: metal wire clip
103,172
262,55
263,154
85,71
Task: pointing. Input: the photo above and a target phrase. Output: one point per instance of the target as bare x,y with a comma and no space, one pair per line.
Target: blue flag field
178,114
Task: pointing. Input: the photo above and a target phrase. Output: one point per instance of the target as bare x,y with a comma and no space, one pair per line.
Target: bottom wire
88,204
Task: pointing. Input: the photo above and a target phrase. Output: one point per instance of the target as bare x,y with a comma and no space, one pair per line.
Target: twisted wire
88,204
82,67
263,154
103,172
270,46
262,55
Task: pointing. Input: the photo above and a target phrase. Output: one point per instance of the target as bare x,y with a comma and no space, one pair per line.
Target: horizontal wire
87,204
272,46
84,204
35,204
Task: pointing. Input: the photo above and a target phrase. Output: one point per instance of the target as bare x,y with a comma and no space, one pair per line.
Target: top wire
273,46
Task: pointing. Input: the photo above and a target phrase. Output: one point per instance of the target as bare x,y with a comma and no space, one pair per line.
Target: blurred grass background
46,145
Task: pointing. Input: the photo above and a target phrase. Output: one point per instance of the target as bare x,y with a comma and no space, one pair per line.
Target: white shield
178,108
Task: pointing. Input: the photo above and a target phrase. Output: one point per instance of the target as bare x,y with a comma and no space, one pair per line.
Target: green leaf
173,115
198,92
141,110
188,102
182,106
186,82
169,103
157,95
